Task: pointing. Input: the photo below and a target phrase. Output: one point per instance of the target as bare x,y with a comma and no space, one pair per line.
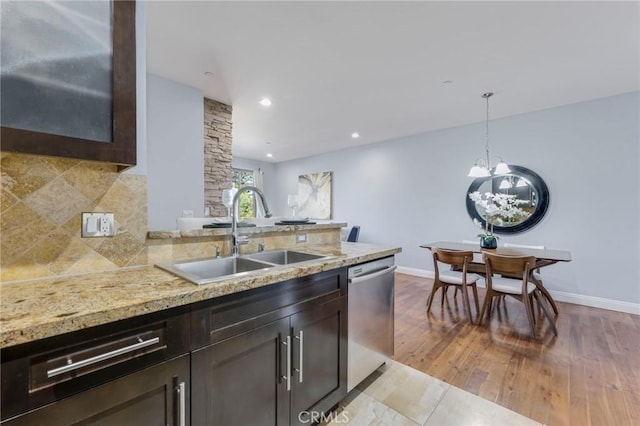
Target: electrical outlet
301,238
105,225
98,225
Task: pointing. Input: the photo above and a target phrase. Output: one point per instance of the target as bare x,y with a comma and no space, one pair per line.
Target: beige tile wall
40,216
41,203
166,250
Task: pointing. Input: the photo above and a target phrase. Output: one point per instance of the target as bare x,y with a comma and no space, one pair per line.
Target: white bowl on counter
263,221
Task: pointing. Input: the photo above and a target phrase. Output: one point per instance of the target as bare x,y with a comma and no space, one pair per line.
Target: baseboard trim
596,302
560,296
424,273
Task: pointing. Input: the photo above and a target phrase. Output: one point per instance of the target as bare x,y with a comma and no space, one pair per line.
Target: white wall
175,152
413,190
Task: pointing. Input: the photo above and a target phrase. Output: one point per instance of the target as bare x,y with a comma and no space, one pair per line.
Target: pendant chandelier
482,167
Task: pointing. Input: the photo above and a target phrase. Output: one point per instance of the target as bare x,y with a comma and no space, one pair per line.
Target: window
247,202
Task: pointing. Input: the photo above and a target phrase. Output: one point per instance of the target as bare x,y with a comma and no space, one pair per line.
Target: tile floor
397,395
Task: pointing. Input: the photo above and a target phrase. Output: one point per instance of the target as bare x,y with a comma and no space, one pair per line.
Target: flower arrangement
487,237
499,209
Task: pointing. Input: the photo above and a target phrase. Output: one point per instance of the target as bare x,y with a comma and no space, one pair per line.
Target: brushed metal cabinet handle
287,374
181,404
300,370
288,363
95,359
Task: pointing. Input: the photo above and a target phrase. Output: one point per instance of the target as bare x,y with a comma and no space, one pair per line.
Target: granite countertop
260,229
41,308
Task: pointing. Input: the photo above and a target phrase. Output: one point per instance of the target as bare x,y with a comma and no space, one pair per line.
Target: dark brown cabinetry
240,381
319,364
286,358
155,396
47,101
98,372
274,355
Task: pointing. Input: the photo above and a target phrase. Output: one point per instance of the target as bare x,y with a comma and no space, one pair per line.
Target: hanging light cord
486,147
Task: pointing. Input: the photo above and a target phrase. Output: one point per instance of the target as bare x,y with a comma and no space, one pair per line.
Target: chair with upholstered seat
477,257
536,272
518,288
476,265
458,278
354,234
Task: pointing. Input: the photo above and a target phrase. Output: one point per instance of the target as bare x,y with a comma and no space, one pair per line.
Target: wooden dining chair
536,272
354,234
476,265
519,288
458,278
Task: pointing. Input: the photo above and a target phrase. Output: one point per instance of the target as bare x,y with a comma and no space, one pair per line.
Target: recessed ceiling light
209,73
447,82
269,155
355,135
265,102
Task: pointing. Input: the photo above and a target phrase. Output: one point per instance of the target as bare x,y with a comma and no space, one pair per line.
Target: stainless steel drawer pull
71,366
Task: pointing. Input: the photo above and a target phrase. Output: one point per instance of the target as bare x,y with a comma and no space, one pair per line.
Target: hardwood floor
588,375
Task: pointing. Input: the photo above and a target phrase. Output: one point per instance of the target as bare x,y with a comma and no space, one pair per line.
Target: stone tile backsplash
42,200
41,206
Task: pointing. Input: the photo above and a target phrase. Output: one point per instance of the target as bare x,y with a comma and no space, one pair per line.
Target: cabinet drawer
47,370
224,317
157,395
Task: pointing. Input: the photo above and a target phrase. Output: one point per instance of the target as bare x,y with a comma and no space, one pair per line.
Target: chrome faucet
235,238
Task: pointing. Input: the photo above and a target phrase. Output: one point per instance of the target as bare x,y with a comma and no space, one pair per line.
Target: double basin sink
205,271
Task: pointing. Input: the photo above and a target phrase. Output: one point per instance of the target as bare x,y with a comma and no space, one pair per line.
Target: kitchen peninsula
175,245
160,327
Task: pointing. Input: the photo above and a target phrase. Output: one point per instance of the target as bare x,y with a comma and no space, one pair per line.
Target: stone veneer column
217,154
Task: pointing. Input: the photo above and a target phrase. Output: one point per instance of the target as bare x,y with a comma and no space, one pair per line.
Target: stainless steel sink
284,257
205,271
211,270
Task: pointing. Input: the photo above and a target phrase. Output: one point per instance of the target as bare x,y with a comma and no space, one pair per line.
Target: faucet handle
217,250
260,246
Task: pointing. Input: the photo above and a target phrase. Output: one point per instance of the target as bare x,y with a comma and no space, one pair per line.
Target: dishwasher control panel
371,267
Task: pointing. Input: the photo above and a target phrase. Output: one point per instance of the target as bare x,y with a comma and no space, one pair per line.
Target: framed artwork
69,79
314,195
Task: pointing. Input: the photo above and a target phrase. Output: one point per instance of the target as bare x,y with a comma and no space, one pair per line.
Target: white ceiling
332,68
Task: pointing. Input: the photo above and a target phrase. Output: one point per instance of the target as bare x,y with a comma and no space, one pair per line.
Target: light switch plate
301,238
98,225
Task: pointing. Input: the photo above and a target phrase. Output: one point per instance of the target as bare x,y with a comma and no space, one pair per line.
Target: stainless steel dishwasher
371,312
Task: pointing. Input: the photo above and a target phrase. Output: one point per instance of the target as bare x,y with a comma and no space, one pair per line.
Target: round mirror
512,202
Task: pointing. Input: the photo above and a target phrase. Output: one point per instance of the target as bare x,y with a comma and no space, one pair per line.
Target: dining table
544,257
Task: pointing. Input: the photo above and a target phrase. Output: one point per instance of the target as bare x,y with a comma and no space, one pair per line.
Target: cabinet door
243,380
319,360
156,396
